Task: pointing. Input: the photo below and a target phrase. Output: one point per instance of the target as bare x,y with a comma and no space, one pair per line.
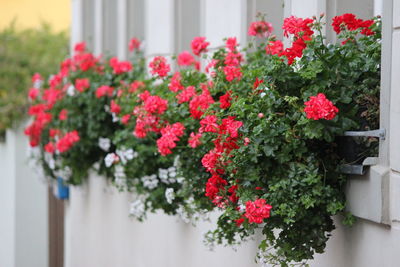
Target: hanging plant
253,135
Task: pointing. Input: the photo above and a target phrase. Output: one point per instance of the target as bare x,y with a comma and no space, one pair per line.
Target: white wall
23,206
100,233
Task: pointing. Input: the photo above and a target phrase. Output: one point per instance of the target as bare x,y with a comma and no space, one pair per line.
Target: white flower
262,94
150,181
104,143
137,208
180,180
119,172
50,161
71,90
183,214
65,173
126,154
37,84
169,195
114,117
110,159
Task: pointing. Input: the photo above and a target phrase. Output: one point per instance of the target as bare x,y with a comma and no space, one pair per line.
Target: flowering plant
254,136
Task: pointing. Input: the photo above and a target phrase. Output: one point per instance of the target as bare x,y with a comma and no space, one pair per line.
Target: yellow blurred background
31,13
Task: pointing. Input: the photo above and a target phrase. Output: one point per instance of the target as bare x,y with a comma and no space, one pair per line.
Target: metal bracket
380,133
358,169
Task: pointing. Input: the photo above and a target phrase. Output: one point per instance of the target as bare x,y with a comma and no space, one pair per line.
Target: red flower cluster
350,22
169,135
155,104
41,118
67,141
81,60
200,103
199,45
260,29
134,44
257,211
120,67
232,61
186,95
114,107
194,140
104,90
33,93
175,83
301,29
216,159
274,48
147,115
82,84
225,100
63,115
159,66
297,26
319,107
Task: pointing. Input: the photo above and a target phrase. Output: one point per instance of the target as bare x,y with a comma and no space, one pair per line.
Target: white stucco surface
99,232
23,207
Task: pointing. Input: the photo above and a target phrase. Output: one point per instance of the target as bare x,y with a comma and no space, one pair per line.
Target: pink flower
36,77
159,66
135,86
211,65
257,211
194,140
134,44
319,107
49,148
233,59
115,108
63,115
260,29
231,44
169,135
155,104
230,126
274,48
232,73
33,93
125,119
80,47
246,141
82,84
209,124
199,45
200,103
295,26
120,67
104,90
186,95
175,84
185,59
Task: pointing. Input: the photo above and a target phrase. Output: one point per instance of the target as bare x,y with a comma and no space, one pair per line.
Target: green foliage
23,53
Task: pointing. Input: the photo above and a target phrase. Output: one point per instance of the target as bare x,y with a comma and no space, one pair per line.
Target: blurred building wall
31,13
23,206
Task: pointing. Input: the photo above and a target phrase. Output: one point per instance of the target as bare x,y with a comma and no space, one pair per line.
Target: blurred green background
24,52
